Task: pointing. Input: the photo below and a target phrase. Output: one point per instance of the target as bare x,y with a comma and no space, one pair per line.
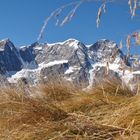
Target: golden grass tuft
57,91
108,111
114,87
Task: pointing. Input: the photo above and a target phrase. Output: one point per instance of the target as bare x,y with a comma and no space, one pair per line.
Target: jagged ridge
70,60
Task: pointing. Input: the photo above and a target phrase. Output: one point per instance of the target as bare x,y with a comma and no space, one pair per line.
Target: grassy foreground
61,112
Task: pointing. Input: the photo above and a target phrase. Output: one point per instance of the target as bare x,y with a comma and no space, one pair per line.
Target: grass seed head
128,42
130,6
104,8
99,16
134,8
138,39
120,45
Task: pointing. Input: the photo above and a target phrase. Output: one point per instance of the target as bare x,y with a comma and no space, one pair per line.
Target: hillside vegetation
59,111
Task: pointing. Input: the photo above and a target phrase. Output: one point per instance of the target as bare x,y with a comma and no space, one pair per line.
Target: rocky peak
103,44
71,50
103,50
6,44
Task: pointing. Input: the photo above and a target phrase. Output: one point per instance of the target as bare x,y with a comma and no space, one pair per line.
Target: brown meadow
61,112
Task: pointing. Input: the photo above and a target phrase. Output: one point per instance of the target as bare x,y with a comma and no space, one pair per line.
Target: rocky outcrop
56,70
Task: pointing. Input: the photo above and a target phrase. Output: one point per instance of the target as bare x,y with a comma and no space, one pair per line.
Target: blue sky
21,21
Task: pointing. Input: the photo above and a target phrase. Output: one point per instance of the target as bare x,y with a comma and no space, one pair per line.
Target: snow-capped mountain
70,60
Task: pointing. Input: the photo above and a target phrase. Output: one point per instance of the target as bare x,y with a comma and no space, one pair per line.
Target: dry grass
109,111
58,91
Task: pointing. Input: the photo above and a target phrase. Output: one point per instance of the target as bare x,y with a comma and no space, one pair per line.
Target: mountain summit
70,60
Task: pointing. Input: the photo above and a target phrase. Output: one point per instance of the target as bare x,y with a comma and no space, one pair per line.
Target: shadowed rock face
71,60
9,57
55,70
28,53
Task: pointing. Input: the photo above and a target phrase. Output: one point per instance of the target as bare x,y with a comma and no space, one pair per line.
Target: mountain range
70,60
